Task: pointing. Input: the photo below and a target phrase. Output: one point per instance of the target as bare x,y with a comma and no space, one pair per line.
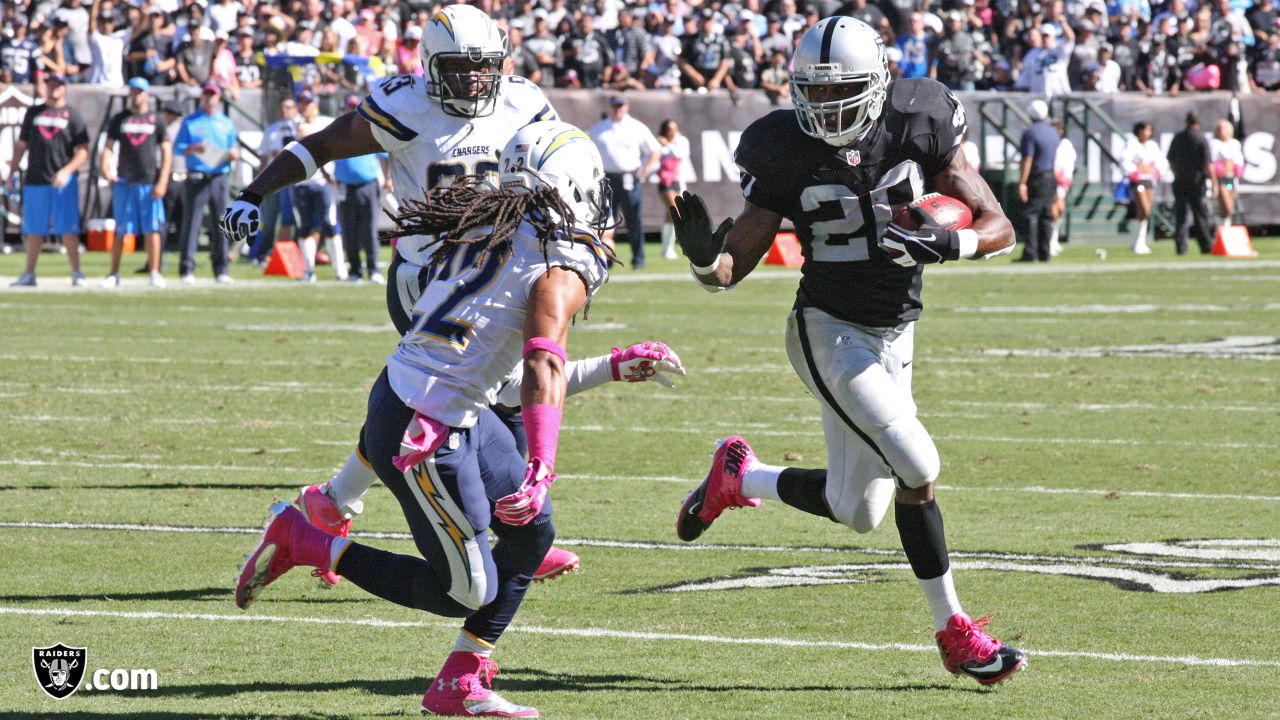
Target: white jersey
430,148
468,326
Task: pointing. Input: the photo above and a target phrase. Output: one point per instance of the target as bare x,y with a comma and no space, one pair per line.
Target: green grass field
1111,488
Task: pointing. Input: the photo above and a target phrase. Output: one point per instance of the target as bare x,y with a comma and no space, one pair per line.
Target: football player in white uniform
436,129
856,149
517,265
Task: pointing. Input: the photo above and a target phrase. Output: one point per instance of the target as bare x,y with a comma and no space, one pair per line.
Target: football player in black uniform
855,150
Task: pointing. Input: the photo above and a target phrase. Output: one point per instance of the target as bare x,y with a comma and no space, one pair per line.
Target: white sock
336,548
470,643
761,481
337,256
308,247
351,483
1141,239
940,593
668,236
1053,236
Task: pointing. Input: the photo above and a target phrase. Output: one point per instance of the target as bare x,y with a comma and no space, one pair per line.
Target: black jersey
140,136
52,136
841,199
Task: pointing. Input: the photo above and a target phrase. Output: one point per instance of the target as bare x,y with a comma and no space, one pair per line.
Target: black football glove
923,246
698,240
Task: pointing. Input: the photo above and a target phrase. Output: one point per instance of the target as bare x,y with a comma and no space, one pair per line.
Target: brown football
934,209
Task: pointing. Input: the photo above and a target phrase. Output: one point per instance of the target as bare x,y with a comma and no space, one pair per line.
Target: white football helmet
462,54
558,155
843,53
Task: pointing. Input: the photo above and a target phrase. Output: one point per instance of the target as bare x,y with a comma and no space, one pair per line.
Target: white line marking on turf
630,635
673,547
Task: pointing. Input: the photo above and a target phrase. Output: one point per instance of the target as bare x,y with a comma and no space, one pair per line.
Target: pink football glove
525,504
644,361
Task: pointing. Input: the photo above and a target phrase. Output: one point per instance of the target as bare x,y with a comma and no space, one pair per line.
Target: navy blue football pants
448,502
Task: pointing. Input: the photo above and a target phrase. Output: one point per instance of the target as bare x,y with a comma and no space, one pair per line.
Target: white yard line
628,635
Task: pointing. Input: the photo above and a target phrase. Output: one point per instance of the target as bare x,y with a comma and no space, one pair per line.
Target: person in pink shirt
368,30
408,60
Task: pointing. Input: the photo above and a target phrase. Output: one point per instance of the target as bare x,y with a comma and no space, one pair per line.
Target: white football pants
875,443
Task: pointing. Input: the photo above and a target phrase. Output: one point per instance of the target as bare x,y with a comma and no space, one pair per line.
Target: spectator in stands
359,201
630,153
594,58
75,18
775,40
523,60
1227,157
674,154
1144,164
223,15
544,47
248,70
1266,64
207,138
776,79
57,140
955,62
20,57
106,48
1084,54
53,58
195,57
1109,72
915,46
368,30
408,57
1158,71
223,69
861,10
630,43
665,71
140,178
1037,185
149,50
1189,158
743,70
707,57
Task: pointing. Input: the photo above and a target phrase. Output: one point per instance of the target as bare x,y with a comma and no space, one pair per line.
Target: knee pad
910,452
865,512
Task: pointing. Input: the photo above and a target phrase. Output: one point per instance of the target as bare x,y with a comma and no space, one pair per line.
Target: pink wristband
542,432
541,343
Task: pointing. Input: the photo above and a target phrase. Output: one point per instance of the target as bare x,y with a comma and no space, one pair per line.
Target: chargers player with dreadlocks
855,150
506,281
436,129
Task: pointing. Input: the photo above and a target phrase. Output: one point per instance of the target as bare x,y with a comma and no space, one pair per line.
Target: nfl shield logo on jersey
853,157
59,669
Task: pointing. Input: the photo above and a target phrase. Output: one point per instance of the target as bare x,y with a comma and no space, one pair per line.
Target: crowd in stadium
691,45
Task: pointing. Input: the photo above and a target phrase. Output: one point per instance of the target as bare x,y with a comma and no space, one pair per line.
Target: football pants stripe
829,399
467,581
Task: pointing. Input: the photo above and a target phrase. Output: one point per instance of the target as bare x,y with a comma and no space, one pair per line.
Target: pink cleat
722,489
322,512
464,688
967,649
557,562
288,541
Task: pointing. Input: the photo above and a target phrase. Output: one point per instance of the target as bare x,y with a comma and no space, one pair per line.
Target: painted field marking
648,546
629,635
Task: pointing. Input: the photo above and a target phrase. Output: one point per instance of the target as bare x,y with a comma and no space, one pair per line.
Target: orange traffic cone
286,259
785,251
1233,241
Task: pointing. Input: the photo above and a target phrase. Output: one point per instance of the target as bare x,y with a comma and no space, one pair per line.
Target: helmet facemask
839,108
465,83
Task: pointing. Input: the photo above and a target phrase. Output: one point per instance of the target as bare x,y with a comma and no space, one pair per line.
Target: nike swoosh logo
997,663
925,238
905,364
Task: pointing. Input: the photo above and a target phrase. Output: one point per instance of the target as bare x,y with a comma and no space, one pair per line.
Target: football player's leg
448,514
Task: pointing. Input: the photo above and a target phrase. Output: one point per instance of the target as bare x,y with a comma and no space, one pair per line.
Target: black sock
804,490
920,528
402,579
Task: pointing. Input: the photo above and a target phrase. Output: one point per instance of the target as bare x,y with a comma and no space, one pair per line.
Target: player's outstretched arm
348,136
553,301
722,256
995,232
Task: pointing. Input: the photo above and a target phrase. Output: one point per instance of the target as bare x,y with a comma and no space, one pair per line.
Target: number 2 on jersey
440,323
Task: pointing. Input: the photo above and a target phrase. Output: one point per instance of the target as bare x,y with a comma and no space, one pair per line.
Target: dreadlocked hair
451,213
